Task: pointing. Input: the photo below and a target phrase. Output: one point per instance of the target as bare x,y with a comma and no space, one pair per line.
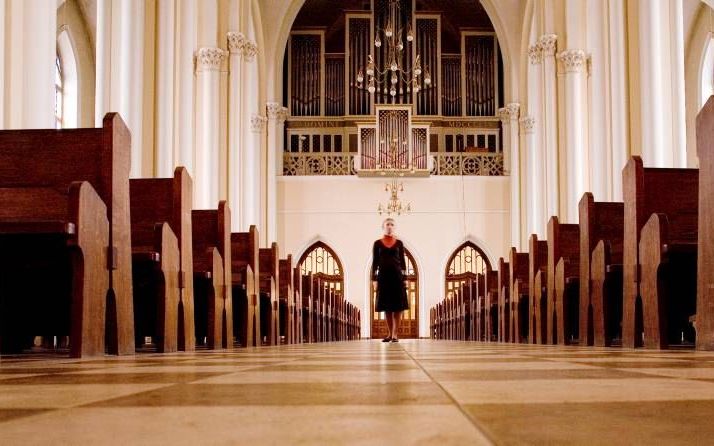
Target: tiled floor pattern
366,392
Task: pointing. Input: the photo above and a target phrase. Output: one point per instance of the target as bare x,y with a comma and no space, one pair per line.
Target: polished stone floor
365,392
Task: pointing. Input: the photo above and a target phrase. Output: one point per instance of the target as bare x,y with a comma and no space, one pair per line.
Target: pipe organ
306,65
447,95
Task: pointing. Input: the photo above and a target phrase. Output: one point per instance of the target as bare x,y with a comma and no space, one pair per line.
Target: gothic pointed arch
467,261
320,258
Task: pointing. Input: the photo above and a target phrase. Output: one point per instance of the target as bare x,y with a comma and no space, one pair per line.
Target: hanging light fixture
388,76
394,205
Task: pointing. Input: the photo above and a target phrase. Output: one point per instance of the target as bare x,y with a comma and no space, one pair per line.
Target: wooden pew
318,290
705,260
287,299
270,293
245,273
42,197
563,242
504,301
163,260
646,191
297,306
479,302
213,294
668,279
566,301
519,263
491,307
537,262
601,232
540,306
308,317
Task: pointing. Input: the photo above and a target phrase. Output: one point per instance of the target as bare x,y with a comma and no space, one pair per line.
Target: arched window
319,258
59,94
66,83
466,262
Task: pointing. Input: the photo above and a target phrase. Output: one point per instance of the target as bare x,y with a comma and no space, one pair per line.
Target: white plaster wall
341,211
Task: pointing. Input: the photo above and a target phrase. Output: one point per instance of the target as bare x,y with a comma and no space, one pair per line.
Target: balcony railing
468,163
295,164
459,163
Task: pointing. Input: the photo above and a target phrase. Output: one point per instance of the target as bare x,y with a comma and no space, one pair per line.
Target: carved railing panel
297,164
485,164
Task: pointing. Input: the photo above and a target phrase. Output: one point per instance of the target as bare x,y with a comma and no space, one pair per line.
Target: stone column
206,180
531,175
236,129
548,44
252,172
120,70
679,131
535,151
511,165
276,118
165,87
29,40
575,147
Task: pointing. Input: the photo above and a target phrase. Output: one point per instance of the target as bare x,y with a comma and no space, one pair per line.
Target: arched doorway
409,326
319,258
466,262
467,267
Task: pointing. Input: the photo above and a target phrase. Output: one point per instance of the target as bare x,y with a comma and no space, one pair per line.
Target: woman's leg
396,316
388,320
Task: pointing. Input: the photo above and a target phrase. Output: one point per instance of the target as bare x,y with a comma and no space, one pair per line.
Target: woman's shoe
395,340
387,339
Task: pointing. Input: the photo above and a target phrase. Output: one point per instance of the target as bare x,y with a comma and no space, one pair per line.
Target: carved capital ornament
574,61
528,124
209,59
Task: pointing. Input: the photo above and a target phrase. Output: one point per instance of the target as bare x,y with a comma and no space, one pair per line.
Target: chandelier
394,205
388,76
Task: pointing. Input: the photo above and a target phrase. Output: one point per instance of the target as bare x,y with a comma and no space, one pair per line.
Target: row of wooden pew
117,265
636,273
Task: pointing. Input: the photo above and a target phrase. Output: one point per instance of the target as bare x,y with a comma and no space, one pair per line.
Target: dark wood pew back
245,280
156,200
647,191
287,297
212,229
504,301
537,261
100,156
269,284
519,262
563,241
599,221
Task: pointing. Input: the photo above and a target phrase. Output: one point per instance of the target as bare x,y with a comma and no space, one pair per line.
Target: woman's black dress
388,269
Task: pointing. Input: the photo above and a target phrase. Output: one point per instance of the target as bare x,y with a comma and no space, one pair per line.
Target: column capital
236,42
528,124
250,50
535,54
274,110
283,115
574,61
548,43
257,123
509,112
240,45
209,59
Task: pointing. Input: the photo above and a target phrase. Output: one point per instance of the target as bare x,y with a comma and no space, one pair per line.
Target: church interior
190,191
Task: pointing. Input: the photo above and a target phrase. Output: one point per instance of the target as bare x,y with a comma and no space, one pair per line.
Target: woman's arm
375,260
402,259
